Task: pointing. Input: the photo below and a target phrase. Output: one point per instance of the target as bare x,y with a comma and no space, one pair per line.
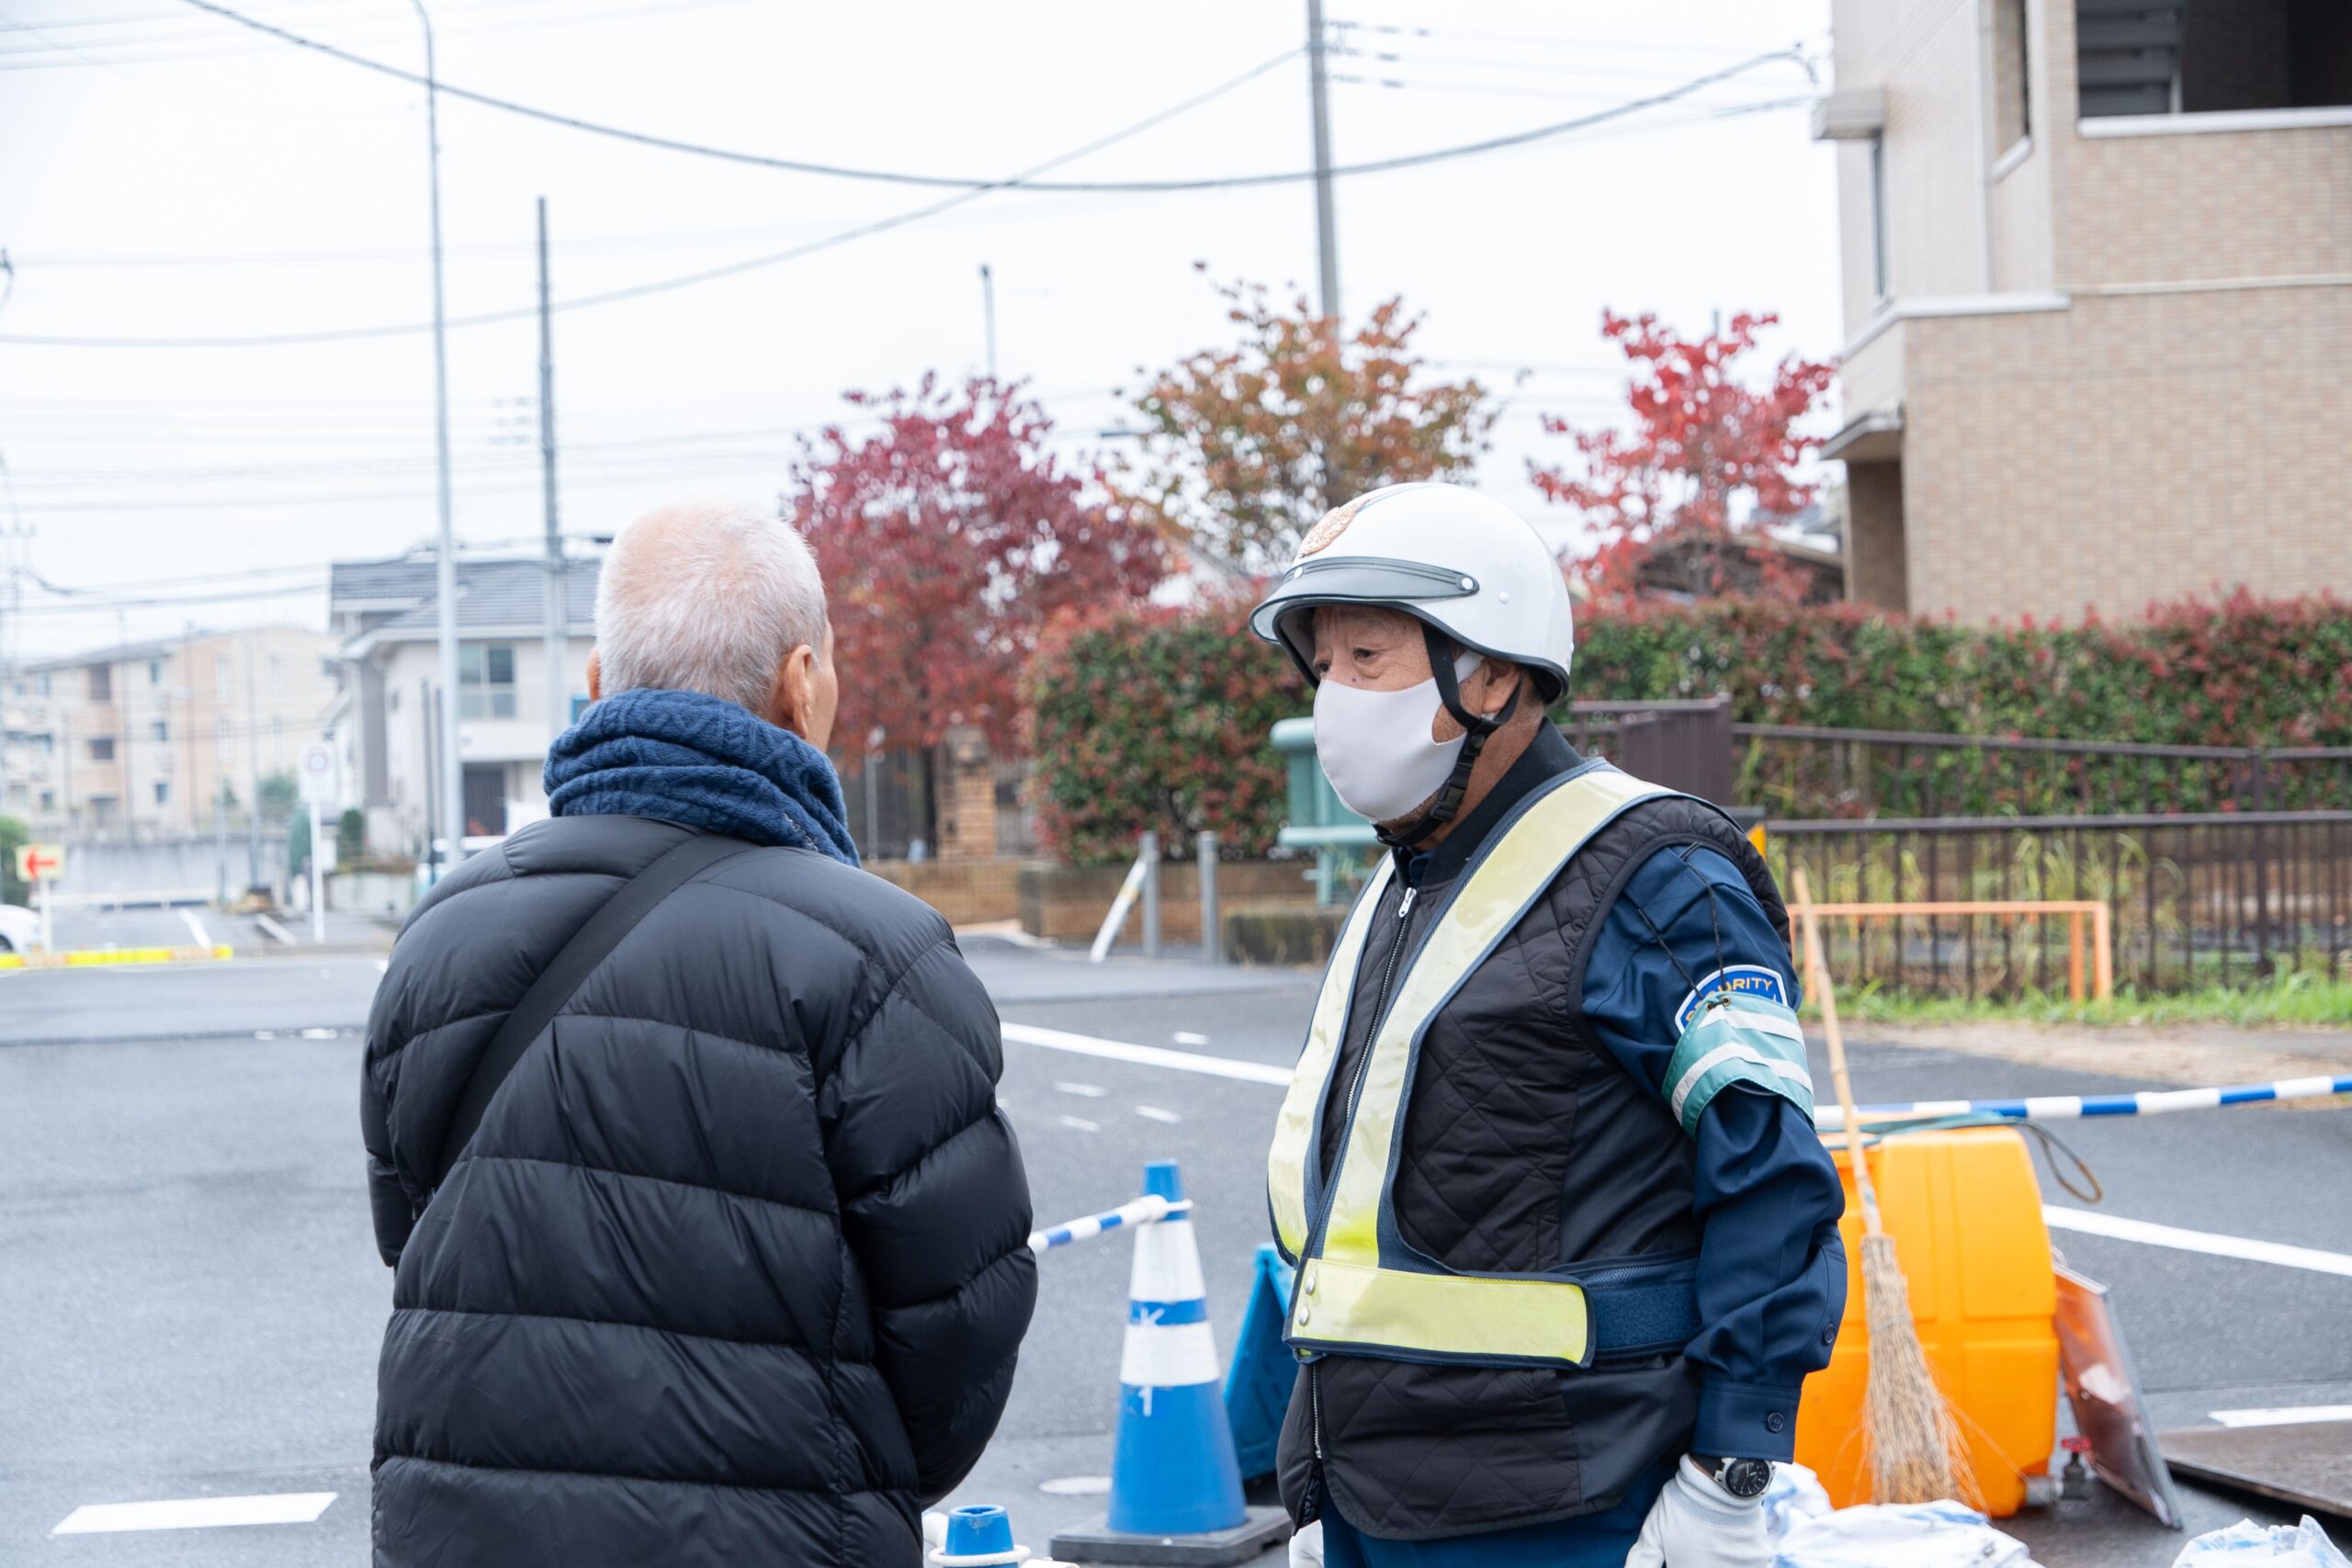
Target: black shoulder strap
570,968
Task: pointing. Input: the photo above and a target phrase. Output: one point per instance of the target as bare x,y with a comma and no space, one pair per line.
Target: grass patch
2293,997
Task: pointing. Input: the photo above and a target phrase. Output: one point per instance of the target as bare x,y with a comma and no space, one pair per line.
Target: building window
220,676
2012,84
1881,286
40,683
49,800
159,731
485,681
102,748
155,672
276,676
162,792
101,678
2212,56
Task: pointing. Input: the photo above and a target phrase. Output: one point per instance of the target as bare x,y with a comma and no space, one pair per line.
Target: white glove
1697,1523
1307,1546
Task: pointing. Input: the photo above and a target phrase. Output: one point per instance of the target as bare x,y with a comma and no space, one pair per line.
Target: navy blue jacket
1765,1188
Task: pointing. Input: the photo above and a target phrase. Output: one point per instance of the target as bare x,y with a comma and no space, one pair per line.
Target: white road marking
1083,1090
383,966
1153,1114
1079,1124
1147,1055
196,1513
195,928
1186,1037
2211,1243
1076,1486
2283,1416
320,1034
274,930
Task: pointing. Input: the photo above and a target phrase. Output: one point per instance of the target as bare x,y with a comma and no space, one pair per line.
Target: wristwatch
1745,1479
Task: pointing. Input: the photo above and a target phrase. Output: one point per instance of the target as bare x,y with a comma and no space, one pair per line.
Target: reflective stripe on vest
1361,1287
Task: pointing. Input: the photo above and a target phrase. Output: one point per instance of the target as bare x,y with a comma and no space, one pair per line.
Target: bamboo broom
1913,1442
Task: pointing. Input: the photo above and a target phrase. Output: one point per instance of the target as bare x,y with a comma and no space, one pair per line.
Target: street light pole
453,776
988,312
1327,226
559,619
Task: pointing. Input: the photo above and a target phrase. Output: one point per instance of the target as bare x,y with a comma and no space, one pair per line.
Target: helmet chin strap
1447,799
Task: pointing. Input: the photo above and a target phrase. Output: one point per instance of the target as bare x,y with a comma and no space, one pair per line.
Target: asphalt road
193,1305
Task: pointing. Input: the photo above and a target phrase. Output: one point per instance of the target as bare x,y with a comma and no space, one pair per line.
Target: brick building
2097,265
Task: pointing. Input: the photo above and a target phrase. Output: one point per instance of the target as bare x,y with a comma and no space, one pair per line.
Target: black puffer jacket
734,1270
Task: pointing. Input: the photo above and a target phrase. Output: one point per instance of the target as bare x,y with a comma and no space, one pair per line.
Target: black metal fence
2213,897
1796,772
888,797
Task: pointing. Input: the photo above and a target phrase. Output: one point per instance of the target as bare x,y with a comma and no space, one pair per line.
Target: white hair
709,598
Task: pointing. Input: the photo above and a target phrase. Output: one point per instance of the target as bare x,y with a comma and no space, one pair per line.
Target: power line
1020,181
707,275
957,182
172,47
667,143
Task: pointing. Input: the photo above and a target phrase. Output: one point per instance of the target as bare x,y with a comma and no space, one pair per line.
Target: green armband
1737,1039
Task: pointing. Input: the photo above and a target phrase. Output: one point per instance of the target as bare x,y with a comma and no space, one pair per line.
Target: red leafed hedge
1159,718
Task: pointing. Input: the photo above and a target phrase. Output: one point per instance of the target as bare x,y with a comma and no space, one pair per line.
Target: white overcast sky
166,173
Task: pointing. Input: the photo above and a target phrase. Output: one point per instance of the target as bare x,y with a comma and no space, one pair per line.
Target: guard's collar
1547,755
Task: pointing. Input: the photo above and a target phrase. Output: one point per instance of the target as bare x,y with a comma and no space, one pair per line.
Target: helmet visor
1348,580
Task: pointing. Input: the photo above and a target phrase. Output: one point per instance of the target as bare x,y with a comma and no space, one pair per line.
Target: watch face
1746,1477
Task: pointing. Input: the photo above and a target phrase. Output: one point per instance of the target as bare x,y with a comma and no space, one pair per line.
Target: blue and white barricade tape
1148,1210
2080,1107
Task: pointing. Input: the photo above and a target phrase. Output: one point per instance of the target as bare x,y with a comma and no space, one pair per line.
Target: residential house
2097,265
385,615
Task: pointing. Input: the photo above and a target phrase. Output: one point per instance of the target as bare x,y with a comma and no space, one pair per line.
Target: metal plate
2105,1394
2307,1465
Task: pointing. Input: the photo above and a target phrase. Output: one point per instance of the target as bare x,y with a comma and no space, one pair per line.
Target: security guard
1566,1238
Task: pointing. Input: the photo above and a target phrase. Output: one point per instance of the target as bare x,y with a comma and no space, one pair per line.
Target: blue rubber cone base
1264,1530
1259,1382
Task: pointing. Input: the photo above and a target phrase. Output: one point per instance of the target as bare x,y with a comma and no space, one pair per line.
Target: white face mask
1375,746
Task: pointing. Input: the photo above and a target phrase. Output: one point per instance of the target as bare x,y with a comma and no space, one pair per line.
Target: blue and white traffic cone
979,1535
1175,1487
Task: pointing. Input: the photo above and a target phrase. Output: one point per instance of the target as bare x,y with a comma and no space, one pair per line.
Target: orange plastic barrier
1966,1212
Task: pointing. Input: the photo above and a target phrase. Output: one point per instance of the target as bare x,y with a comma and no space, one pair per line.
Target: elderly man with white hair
709,1239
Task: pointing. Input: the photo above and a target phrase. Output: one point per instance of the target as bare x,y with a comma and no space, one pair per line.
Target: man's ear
792,695
595,678
1502,677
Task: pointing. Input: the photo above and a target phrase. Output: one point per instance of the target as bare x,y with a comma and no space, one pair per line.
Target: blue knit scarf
686,758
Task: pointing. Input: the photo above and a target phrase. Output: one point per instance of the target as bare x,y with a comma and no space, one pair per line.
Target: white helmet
1461,562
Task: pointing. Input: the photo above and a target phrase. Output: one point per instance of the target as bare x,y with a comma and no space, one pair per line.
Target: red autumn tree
1708,455
947,540
1250,445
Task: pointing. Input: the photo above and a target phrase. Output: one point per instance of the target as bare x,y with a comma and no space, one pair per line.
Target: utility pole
427,725
453,777
252,768
221,809
559,679
1327,233
988,314
122,713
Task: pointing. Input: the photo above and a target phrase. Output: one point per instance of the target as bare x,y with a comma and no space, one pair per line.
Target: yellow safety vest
1359,1286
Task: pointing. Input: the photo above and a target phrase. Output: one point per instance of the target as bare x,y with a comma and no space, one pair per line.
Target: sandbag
1913,1535
2275,1546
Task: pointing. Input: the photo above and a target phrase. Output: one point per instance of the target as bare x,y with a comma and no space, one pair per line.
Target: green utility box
1317,820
